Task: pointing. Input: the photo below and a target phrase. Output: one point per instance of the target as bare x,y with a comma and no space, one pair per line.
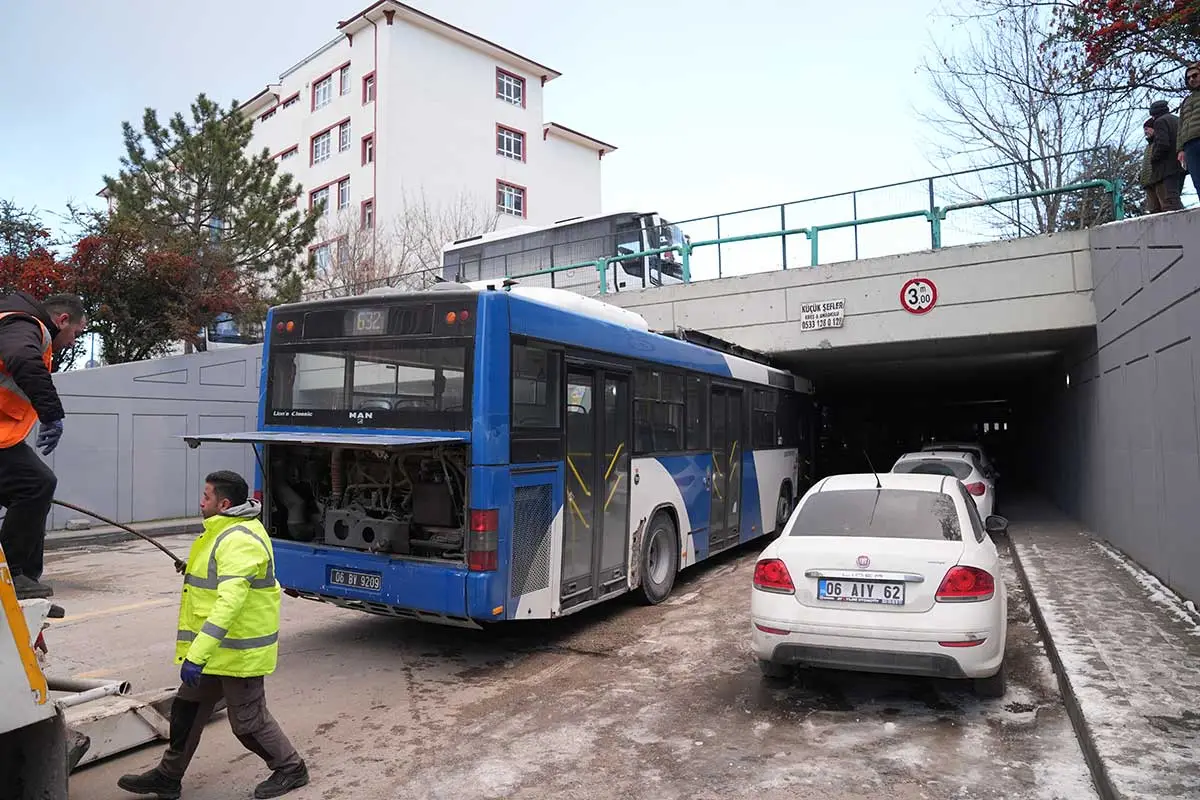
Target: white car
956,464
975,449
884,573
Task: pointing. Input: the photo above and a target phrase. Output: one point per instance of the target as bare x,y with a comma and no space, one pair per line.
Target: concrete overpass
1072,355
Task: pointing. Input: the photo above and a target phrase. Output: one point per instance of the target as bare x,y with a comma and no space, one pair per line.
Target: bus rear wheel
660,559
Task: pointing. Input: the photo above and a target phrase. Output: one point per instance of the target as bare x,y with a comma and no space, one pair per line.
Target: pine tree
195,189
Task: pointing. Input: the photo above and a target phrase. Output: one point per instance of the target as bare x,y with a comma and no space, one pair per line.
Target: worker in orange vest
31,334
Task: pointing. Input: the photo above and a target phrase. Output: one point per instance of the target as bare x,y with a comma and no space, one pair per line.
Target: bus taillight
482,547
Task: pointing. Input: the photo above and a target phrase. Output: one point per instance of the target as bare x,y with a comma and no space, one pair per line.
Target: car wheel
773,671
660,559
993,686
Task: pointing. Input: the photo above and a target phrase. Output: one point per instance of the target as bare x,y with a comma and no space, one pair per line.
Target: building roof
578,138
416,17
270,95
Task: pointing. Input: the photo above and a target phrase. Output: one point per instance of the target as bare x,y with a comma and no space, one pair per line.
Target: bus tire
783,507
659,559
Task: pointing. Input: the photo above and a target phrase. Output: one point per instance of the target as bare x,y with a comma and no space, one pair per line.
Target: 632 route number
918,295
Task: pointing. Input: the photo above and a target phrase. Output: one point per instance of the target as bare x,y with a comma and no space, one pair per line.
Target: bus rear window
391,384
882,513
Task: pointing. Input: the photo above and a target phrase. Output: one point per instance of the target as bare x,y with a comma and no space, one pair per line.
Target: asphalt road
622,701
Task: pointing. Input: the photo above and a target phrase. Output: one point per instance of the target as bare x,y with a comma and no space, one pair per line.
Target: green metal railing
934,216
937,196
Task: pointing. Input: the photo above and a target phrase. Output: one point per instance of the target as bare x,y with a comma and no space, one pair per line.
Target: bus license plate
367,581
879,593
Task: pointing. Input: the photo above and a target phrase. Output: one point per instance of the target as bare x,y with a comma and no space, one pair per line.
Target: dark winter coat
21,354
1189,116
1166,134
1146,176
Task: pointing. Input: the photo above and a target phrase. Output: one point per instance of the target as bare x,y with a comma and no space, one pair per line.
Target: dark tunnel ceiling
992,360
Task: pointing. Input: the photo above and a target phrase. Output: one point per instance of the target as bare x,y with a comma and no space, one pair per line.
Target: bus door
596,505
631,238
727,439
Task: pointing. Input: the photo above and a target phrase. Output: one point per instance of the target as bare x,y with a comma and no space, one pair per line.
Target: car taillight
976,489
965,584
771,575
482,555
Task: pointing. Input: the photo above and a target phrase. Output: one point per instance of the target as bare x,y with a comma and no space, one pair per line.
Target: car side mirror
995,524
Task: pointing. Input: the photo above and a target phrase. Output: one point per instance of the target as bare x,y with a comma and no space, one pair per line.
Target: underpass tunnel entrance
876,403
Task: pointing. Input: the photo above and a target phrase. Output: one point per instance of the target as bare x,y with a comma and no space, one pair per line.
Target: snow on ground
1134,667
621,702
1156,591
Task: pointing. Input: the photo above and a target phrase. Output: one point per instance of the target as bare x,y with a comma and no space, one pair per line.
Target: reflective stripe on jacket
229,613
17,413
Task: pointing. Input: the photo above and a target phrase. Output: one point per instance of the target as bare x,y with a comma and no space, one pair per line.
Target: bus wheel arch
659,556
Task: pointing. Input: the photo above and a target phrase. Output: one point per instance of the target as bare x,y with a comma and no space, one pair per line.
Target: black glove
48,436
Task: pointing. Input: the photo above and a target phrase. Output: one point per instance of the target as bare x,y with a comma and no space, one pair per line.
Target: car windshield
882,513
951,467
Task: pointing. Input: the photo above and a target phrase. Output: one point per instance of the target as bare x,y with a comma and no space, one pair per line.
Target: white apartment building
401,105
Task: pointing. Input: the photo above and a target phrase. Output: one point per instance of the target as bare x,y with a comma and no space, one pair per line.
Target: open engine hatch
370,441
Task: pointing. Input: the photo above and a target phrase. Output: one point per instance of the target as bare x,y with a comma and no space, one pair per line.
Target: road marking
104,612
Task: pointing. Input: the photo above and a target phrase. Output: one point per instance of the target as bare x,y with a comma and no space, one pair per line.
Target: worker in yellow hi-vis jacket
227,643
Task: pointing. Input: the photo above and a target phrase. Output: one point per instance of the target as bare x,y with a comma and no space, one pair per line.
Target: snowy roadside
1129,651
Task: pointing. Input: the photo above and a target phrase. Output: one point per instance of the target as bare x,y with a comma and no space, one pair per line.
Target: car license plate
878,592
367,581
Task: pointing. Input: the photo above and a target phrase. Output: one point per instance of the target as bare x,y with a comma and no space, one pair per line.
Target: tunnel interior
875,403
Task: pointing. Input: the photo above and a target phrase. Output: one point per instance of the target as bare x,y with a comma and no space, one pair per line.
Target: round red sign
918,295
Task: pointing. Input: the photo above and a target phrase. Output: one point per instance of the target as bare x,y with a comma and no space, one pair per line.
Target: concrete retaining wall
1124,435
121,454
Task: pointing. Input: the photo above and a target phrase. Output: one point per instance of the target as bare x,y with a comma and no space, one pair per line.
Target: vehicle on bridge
884,573
524,250
472,454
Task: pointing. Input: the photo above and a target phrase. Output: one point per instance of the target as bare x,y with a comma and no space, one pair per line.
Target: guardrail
935,217
929,198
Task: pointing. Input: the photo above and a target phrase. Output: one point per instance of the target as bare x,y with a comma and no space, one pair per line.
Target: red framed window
511,199
510,87
510,143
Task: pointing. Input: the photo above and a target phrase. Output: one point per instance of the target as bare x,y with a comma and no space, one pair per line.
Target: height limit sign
918,295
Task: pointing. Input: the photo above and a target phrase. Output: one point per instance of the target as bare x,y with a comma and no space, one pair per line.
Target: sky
714,105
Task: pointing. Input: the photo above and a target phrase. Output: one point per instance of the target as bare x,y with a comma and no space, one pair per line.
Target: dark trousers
249,718
1164,195
26,488
1191,152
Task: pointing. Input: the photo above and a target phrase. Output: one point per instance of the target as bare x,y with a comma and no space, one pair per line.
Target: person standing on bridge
31,335
227,642
1162,168
1188,145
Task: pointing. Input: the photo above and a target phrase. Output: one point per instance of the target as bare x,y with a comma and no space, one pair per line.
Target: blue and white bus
483,453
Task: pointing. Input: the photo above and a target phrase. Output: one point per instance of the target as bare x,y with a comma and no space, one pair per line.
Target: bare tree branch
403,251
1007,86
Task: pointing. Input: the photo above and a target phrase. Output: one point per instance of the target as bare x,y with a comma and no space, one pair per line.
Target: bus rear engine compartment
407,502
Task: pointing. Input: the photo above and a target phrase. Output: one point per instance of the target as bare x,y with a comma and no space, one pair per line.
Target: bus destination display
367,321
